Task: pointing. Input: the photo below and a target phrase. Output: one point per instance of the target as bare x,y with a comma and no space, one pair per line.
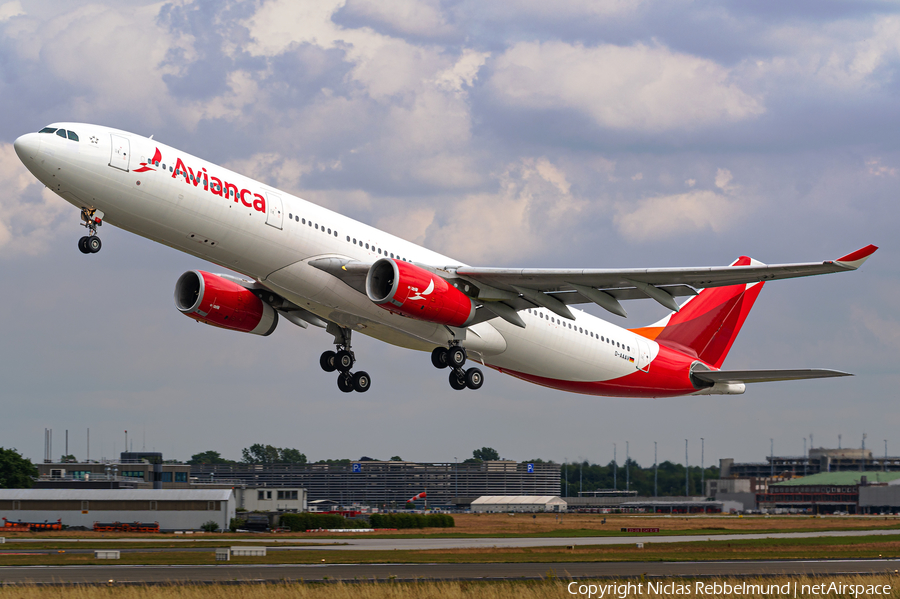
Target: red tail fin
708,323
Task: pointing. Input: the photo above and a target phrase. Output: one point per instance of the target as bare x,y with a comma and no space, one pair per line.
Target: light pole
627,470
615,469
655,472
686,493
771,458
805,458
702,474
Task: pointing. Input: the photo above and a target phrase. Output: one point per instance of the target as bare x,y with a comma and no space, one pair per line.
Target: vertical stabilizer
708,323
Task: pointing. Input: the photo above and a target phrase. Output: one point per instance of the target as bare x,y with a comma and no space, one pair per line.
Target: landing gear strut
90,243
455,357
342,360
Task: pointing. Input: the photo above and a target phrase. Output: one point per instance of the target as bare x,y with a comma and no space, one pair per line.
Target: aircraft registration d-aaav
312,266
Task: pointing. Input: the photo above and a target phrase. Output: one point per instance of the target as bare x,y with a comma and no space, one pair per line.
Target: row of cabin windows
61,132
581,330
296,218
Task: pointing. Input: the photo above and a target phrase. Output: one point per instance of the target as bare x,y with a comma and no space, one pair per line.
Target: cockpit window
61,133
72,135
47,130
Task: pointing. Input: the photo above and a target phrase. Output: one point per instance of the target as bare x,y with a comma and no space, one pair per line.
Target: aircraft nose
27,146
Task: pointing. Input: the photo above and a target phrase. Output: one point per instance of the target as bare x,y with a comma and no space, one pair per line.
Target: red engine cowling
222,303
406,289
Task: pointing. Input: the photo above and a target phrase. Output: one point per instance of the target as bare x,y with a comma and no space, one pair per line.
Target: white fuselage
194,216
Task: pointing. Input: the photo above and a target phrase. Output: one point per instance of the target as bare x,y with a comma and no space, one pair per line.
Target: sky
588,133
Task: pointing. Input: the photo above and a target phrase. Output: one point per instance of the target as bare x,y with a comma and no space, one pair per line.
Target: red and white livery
312,266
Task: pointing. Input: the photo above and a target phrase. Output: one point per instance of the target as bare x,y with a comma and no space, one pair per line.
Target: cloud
533,201
421,18
30,214
666,216
9,10
640,87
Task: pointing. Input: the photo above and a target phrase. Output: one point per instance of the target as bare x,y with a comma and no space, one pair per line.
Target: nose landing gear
90,243
342,360
455,358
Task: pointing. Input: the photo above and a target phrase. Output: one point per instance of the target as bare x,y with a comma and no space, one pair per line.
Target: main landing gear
342,360
90,243
455,358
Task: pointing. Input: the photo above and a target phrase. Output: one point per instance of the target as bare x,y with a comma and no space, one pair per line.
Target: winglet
855,259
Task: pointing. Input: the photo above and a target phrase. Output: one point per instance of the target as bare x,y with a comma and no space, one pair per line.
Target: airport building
834,492
391,483
136,470
173,509
819,460
518,503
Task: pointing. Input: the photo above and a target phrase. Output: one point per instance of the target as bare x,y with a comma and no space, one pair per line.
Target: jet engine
222,303
406,289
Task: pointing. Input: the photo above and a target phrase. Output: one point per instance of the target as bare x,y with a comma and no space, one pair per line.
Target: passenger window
170,169
354,241
72,135
379,250
367,246
329,231
392,254
348,238
317,227
335,234
47,130
290,216
61,133
297,218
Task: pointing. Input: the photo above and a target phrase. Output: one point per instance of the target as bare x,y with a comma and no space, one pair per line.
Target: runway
362,572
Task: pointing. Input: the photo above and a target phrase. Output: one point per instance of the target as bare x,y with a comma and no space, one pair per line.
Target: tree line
632,476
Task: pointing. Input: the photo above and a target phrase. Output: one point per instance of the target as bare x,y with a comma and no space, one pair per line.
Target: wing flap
765,376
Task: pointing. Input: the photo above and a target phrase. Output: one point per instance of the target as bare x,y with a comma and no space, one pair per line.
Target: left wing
554,289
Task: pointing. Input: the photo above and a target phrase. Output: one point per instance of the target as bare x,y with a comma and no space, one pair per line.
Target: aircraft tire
456,356
456,381
361,381
82,245
439,357
474,378
326,361
345,382
93,244
343,360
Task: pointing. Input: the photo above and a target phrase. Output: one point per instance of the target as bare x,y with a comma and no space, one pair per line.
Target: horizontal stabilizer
765,376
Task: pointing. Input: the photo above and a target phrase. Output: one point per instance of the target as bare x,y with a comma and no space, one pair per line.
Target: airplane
311,266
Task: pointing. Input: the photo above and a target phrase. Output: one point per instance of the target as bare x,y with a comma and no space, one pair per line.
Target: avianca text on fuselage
218,187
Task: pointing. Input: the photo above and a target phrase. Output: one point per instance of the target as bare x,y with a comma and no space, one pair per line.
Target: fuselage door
643,361
120,153
274,217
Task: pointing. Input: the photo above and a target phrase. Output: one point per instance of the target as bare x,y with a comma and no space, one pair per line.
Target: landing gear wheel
457,379
345,382
326,361
361,381
456,356
439,357
82,245
343,360
94,244
474,378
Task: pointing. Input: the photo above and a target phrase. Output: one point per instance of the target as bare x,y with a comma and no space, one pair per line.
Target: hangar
173,509
519,503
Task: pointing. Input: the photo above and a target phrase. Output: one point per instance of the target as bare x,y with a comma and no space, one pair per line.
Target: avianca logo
145,166
212,184
421,295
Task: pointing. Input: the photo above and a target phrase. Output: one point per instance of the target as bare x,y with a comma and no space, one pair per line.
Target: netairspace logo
616,590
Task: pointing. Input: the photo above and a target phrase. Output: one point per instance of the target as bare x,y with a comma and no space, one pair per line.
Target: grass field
815,548
450,590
